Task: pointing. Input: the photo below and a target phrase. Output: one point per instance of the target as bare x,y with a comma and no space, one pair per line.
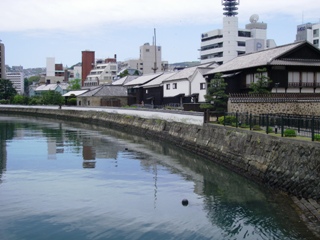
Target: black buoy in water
185,202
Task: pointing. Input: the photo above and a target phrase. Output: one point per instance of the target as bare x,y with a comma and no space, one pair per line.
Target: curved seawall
290,165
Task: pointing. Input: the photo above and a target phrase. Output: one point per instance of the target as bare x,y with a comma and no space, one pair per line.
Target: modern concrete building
17,79
104,71
309,32
222,45
2,61
149,60
55,73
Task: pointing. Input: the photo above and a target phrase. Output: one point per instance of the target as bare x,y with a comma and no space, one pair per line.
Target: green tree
124,73
52,98
19,99
74,84
261,86
216,97
7,91
33,79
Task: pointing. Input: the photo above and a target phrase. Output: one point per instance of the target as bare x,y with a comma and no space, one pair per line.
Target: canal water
62,180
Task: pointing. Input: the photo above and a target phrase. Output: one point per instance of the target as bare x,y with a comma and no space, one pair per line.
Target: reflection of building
89,164
222,45
53,148
3,156
309,32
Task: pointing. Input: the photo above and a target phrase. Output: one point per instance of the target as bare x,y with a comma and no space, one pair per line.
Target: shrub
269,130
317,137
4,101
256,128
289,133
230,120
72,101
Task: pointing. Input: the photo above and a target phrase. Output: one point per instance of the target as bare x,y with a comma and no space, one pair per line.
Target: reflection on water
61,180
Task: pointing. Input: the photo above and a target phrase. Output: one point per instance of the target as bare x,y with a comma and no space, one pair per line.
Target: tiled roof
107,90
124,80
188,72
142,79
52,86
76,93
158,81
295,62
255,59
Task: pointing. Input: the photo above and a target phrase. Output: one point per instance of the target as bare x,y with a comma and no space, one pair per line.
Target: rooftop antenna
155,52
230,7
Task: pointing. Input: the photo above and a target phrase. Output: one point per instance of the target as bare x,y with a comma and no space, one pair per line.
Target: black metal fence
301,125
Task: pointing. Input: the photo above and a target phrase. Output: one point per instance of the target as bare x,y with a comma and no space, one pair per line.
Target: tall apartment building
17,79
2,61
222,45
309,32
149,60
88,61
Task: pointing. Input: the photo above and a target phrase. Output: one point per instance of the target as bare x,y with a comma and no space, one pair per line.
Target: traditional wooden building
104,95
292,68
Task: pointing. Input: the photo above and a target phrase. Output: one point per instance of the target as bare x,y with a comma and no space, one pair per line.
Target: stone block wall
299,108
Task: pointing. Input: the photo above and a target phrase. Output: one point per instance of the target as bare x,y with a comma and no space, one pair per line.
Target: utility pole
155,68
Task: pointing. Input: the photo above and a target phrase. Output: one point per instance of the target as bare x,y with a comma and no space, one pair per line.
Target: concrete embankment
289,165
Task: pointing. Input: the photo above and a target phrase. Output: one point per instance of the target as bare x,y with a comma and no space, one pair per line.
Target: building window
316,33
202,86
147,91
168,86
174,86
316,42
147,50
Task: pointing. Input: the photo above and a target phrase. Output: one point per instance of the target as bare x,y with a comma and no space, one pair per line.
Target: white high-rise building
309,32
149,61
222,45
17,79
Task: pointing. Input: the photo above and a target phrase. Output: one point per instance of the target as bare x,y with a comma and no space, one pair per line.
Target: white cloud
24,15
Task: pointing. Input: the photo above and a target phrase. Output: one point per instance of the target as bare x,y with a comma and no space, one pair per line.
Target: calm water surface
61,180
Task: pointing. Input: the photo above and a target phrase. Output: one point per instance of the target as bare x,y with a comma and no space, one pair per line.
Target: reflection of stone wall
303,108
287,164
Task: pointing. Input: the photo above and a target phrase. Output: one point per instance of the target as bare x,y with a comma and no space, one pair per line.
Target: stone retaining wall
287,164
299,108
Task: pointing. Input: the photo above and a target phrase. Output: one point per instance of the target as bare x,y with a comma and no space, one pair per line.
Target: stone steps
310,213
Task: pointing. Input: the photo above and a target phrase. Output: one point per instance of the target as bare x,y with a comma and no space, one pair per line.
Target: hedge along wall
286,164
300,108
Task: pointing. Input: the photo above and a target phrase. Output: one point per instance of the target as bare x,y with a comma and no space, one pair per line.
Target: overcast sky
33,30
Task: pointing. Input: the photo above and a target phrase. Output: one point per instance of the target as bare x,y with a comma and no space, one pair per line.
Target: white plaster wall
195,86
183,87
